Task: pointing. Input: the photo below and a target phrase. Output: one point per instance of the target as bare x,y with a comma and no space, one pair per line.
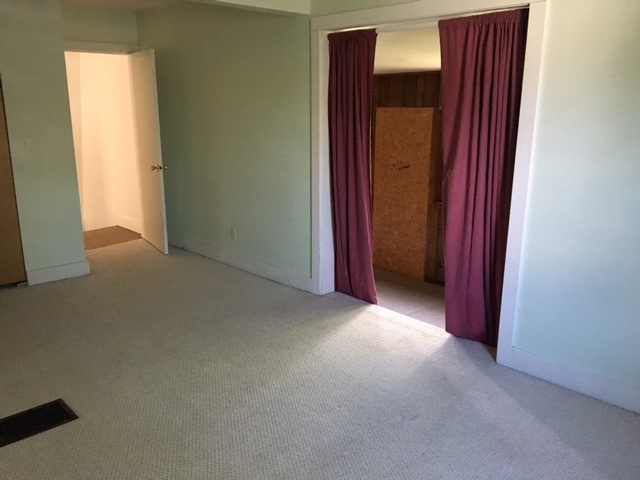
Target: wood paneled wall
407,90
415,90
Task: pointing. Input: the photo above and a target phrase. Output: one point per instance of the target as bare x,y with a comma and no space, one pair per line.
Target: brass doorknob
159,167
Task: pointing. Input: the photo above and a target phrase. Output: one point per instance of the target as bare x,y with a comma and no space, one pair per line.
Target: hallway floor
105,237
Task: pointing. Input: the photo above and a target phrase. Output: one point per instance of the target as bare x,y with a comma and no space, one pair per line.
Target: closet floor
411,297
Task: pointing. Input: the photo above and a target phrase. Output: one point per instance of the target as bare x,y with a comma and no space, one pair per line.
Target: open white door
145,105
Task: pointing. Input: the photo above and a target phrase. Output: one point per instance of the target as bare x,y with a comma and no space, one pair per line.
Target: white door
145,99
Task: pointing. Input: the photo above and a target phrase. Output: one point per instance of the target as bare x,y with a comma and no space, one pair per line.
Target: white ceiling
404,51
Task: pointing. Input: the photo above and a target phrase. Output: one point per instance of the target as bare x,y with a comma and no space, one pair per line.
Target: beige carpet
183,368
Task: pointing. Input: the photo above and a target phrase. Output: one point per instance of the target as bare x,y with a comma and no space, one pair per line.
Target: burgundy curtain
482,67
350,101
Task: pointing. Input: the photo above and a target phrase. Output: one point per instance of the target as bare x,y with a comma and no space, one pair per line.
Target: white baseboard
130,223
59,272
588,383
286,277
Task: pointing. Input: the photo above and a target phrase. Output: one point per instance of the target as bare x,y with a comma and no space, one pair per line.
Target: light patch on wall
408,51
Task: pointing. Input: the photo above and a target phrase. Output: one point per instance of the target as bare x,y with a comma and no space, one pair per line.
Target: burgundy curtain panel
350,101
482,68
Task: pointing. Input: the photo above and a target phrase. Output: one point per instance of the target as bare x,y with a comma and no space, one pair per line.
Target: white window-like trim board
278,7
418,12
99,47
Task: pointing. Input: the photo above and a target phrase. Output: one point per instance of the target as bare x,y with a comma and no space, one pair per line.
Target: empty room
256,348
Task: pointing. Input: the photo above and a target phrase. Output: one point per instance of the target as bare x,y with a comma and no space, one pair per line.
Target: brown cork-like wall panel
401,191
411,90
415,90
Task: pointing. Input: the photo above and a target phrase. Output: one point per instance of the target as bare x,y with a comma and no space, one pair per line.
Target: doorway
114,114
411,15
406,160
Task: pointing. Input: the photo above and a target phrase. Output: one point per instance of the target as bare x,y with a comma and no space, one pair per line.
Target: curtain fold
482,69
351,62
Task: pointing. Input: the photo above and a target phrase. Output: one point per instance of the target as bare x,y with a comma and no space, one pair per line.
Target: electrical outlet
233,233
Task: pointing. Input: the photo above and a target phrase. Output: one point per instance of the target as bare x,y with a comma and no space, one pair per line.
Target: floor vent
33,421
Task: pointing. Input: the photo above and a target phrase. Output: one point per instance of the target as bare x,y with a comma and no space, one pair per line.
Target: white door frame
422,12
125,50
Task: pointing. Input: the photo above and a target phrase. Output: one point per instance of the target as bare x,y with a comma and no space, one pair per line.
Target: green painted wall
89,25
328,7
234,97
579,303
37,105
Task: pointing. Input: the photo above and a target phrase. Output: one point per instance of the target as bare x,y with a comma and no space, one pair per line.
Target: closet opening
406,156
